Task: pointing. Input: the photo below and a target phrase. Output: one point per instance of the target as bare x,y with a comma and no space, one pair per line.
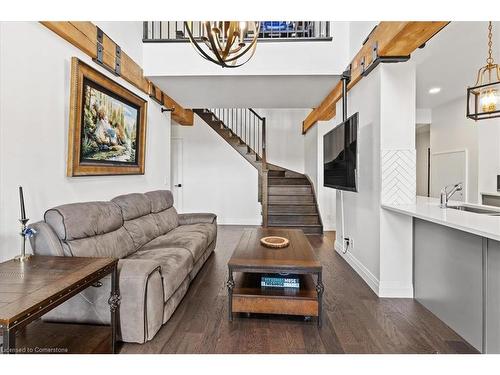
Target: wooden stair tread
278,178
290,194
292,204
292,186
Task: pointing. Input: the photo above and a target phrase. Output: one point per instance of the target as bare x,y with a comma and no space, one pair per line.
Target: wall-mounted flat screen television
340,155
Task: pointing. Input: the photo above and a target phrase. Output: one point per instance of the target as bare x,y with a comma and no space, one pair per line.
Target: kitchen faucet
446,195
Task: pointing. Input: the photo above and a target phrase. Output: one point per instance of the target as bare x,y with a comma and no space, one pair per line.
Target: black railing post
264,157
145,30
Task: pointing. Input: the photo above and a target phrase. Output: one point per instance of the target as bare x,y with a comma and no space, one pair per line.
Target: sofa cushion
175,264
142,230
160,200
195,238
90,229
139,222
166,220
81,220
116,244
133,205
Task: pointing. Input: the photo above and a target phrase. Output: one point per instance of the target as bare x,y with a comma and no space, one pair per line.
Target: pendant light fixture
483,99
226,43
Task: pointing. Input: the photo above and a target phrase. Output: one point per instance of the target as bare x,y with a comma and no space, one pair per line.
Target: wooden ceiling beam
83,35
393,39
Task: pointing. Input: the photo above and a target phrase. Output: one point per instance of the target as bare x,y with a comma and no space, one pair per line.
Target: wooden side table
30,289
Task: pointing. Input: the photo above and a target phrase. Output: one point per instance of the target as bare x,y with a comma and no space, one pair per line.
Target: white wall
423,116
216,178
397,138
283,58
362,209
452,131
488,154
313,165
34,111
358,31
285,143
311,157
380,249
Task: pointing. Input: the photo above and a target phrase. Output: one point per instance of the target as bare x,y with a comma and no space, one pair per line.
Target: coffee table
250,260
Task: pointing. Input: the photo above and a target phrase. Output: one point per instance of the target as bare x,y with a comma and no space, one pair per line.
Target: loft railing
273,31
248,126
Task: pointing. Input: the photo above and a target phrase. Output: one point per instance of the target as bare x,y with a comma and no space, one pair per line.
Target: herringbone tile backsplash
398,176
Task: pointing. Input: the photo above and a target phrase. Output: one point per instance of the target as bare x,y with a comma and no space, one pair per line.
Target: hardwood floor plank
355,319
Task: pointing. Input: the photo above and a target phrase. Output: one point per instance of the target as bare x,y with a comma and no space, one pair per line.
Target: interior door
176,172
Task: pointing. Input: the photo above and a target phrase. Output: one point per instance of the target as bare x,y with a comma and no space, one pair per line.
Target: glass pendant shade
488,100
226,43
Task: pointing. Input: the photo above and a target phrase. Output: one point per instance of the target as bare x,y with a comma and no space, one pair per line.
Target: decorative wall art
107,125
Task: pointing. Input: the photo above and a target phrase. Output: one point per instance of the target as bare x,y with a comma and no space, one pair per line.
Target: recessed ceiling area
291,91
450,61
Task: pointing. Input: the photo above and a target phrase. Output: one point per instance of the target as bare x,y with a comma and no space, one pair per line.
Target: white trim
383,289
394,289
360,269
238,221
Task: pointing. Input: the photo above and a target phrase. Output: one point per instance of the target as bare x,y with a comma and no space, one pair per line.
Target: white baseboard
361,270
239,221
394,289
329,227
383,289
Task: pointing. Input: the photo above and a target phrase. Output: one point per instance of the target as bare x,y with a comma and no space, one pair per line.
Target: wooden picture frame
107,126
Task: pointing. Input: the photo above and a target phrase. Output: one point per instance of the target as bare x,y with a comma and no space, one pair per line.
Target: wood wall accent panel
83,35
394,39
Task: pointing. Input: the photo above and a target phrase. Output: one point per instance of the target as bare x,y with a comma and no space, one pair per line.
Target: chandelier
483,99
226,43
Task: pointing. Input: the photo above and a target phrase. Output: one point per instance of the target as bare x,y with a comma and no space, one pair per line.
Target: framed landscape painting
107,125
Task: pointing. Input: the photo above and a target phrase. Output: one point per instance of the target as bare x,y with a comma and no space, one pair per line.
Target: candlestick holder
23,257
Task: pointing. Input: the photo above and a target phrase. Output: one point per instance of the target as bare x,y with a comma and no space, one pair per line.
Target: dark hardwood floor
355,319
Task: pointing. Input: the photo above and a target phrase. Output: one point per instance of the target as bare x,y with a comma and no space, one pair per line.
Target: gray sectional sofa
160,252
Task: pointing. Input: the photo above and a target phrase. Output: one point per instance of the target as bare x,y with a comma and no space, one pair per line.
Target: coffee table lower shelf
249,297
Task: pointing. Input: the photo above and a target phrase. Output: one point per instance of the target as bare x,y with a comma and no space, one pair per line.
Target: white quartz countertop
428,209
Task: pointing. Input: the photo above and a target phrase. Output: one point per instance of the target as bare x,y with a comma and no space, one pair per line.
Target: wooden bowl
274,242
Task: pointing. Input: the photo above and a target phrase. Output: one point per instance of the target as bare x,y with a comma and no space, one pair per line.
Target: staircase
287,197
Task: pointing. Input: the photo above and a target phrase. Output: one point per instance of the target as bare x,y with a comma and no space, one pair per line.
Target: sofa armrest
141,307
45,241
197,218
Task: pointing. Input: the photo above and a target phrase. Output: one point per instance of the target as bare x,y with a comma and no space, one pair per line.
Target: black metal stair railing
248,126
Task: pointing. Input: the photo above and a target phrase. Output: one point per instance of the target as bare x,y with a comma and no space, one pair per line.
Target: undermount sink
476,210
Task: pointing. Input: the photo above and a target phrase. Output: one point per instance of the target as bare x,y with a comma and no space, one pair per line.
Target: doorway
176,172
422,145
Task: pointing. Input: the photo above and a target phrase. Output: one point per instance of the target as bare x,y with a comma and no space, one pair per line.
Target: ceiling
292,91
451,59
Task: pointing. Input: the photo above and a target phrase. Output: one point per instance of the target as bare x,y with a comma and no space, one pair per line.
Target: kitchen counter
428,209
456,268
492,193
